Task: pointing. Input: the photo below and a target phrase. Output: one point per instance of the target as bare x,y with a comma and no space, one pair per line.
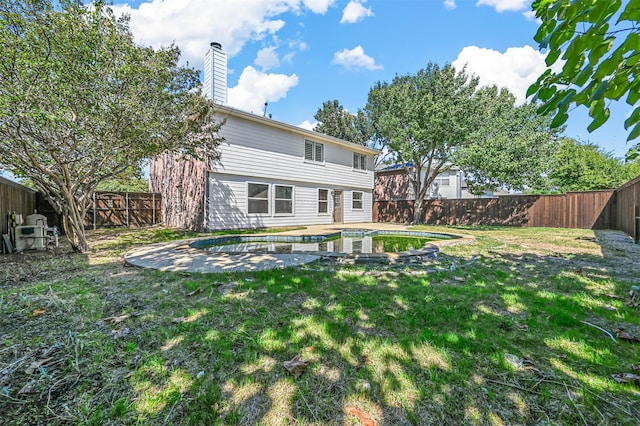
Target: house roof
228,111
404,166
397,166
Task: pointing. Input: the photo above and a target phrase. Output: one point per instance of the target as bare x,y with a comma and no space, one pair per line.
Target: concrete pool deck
178,256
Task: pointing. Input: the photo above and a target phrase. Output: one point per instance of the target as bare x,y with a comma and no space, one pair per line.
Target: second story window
359,161
313,151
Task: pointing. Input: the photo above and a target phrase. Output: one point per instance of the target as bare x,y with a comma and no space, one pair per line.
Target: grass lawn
505,330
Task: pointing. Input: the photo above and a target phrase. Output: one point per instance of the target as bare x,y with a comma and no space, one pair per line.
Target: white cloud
450,4
306,124
319,6
355,12
267,58
531,16
255,88
504,5
193,24
516,69
355,59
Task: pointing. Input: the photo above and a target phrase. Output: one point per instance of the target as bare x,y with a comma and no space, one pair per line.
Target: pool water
349,243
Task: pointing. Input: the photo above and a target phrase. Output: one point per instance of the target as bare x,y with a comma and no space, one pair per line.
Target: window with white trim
283,199
359,161
323,201
356,201
443,180
313,151
257,198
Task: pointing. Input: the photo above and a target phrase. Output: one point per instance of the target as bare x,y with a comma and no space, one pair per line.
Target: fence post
153,208
636,237
126,200
94,210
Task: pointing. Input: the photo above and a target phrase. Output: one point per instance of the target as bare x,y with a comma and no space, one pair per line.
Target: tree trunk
417,202
418,193
73,222
417,210
75,234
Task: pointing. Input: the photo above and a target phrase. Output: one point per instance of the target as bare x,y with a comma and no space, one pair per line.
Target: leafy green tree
438,118
124,185
81,103
334,120
631,169
583,166
423,118
599,43
512,147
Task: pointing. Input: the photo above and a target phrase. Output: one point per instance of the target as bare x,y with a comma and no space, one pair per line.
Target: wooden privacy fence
14,198
592,209
135,209
131,209
627,215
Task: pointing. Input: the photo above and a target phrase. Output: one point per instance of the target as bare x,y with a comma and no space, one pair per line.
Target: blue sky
296,54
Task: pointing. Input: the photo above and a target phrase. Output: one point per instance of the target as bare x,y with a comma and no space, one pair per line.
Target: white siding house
269,174
274,174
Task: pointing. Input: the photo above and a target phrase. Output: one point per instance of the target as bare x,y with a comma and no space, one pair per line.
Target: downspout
205,195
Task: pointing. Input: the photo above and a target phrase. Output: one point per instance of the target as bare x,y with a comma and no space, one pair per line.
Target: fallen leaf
626,378
296,366
364,417
38,312
36,365
528,365
194,292
309,349
621,334
116,320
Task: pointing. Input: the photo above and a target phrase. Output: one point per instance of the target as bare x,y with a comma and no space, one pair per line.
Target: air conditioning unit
30,237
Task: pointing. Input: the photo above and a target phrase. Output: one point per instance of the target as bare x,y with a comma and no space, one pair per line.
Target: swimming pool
347,243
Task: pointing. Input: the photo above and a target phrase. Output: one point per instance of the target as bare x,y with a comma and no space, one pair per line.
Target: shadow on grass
413,345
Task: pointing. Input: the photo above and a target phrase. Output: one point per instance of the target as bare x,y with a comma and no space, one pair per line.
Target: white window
357,200
283,199
258,198
444,180
313,151
323,201
359,161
